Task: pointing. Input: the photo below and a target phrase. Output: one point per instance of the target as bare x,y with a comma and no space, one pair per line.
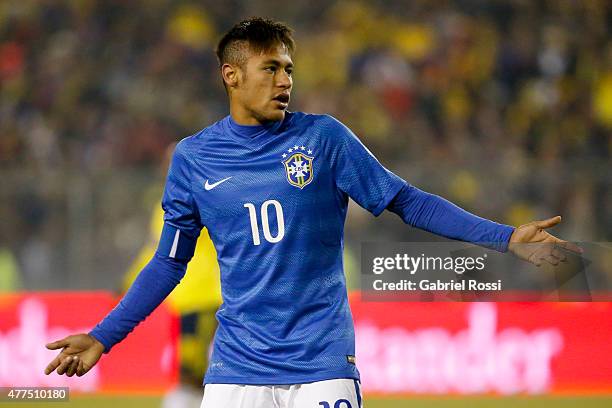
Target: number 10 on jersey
280,221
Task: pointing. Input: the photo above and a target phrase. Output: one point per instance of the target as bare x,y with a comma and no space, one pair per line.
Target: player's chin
276,114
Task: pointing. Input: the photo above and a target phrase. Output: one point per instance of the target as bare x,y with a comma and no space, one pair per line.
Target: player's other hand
532,243
80,352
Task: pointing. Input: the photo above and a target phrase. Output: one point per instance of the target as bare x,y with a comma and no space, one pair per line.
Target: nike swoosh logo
213,185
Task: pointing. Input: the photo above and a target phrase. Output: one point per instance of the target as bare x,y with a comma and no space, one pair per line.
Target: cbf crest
298,166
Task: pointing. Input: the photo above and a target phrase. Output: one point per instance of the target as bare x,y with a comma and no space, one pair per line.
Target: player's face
265,88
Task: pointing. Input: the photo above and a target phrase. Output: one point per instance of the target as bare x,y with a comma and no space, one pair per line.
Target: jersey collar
250,132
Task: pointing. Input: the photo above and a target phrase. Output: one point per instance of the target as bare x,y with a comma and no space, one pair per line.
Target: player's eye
289,71
270,69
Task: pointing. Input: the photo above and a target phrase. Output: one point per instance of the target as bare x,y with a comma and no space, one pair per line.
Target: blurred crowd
503,107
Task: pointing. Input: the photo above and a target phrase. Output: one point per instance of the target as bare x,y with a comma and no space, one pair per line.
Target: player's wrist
97,344
515,237
512,239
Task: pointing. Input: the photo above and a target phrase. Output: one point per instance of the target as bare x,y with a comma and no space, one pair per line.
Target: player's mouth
282,99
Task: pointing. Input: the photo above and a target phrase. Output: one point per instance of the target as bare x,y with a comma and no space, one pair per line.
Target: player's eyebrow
277,63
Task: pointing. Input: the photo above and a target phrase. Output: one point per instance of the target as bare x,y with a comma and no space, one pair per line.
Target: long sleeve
151,287
439,216
160,276
358,173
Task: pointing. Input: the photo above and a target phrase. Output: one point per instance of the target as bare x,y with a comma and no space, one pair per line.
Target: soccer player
272,188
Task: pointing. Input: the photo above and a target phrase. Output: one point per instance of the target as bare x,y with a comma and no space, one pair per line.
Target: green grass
444,402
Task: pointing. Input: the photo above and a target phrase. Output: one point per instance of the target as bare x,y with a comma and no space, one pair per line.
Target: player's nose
284,80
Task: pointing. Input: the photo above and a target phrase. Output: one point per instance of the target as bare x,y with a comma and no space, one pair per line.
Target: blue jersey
274,200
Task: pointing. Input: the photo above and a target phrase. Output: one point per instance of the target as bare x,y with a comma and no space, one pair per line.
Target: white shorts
340,393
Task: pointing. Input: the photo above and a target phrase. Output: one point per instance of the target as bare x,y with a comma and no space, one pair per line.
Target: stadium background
503,107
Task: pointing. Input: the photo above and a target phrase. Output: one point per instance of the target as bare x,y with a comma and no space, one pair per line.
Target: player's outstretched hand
532,243
80,352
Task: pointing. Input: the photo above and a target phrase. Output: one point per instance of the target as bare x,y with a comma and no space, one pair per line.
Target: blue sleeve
358,173
435,214
151,287
182,224
177,243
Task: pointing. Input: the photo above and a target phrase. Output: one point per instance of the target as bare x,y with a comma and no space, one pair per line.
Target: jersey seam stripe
175,243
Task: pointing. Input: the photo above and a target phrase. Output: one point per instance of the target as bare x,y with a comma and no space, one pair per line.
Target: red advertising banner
469,348
402,348
144,362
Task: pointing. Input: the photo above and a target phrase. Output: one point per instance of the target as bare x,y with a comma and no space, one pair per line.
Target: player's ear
230,75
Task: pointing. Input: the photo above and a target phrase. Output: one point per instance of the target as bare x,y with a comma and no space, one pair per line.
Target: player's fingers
54,345
52,365
73,366
552,260
64,365
80,369
559,255
570,246
535,259
551,222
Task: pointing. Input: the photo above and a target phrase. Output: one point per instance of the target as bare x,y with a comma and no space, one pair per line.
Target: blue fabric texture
176,244
435,214
150,288
274,199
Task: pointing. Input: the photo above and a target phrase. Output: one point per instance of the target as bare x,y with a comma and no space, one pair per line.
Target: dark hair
255,34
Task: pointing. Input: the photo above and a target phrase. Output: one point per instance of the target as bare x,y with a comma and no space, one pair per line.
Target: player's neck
245,117
242,117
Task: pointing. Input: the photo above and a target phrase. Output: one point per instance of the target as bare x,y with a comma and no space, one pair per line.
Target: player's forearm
435,214
151,287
